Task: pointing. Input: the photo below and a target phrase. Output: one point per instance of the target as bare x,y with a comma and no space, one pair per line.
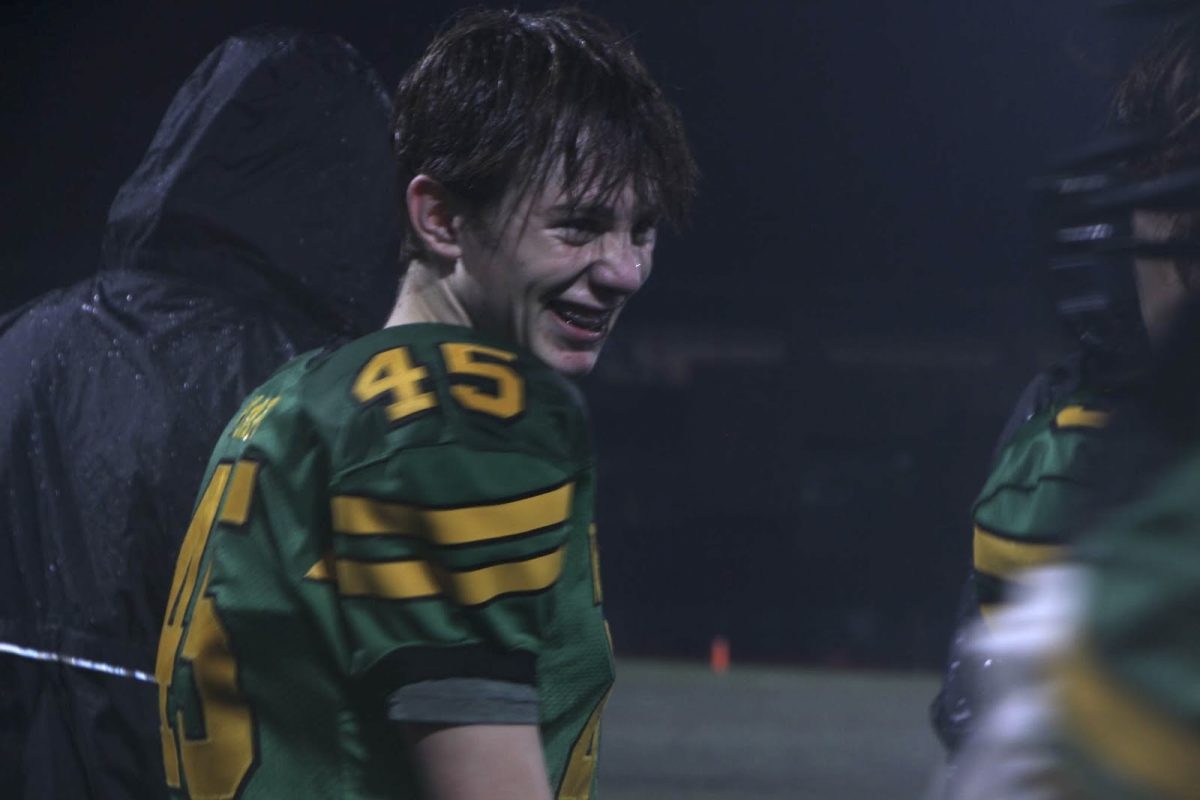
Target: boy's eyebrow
601,212
598,211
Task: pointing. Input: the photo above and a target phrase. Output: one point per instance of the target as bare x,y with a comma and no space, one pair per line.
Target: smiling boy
390,586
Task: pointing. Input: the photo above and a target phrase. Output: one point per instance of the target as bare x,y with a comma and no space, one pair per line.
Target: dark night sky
840,141
857,292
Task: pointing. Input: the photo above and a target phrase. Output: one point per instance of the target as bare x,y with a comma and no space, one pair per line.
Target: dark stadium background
793,418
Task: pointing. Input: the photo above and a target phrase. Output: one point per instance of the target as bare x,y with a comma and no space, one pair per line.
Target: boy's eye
644,233
579,229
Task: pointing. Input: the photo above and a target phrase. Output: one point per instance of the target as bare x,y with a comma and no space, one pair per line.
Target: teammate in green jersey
1098,657
1044,484
1129,711
1041,486
390,587
1100,661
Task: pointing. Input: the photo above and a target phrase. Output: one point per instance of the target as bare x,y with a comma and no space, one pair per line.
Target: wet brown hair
1161,93
504,100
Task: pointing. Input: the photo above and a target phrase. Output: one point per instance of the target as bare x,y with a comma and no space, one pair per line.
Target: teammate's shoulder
1058,400
1046,469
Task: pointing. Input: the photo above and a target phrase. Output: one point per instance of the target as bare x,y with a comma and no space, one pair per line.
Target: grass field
680,732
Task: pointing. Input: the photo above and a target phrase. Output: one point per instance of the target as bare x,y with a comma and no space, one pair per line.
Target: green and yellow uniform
1131,687
397,531
1040,489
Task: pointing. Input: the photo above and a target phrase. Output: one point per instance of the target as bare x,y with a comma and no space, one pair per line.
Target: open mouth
583,318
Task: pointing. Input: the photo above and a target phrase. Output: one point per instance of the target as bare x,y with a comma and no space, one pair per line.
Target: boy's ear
431,214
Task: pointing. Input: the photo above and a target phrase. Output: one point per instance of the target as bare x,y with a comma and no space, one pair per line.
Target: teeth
581,317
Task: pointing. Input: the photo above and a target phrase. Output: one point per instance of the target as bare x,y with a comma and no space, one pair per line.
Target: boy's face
1162,292
553,276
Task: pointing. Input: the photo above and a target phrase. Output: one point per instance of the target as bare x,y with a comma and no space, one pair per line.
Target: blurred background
794,416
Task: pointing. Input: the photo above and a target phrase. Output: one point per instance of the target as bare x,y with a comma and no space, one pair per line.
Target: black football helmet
1084,207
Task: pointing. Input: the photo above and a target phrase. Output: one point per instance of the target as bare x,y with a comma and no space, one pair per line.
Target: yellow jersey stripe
597,591
394,580
410,580
1122,733
1080,417
241,488
481,585
322,570
1003,558
452,526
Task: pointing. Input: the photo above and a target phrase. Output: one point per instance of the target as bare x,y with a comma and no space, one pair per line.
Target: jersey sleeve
445,560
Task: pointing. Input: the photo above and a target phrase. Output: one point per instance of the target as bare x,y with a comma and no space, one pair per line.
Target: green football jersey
1131,685
1040,488
397,531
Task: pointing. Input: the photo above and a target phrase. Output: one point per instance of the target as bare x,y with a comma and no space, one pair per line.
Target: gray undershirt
465,701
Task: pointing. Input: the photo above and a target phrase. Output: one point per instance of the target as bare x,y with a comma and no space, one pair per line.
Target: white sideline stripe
72,661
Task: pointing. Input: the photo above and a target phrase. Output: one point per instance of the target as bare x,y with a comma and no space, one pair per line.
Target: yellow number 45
480,377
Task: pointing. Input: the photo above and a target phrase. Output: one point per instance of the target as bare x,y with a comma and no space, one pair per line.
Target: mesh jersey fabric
397,530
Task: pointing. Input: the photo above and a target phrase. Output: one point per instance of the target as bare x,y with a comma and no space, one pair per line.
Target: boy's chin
566,361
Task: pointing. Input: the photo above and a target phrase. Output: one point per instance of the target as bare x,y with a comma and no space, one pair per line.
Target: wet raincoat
260,224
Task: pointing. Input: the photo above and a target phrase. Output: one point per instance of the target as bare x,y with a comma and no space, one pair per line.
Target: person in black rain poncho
260,224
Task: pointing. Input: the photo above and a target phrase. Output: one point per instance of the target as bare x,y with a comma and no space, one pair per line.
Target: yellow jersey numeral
480,380
216,764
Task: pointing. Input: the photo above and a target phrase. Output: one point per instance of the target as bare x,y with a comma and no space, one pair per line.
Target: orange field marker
718,655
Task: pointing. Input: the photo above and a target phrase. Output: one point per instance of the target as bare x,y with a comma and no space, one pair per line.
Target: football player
390,587
1047,476
1099,662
